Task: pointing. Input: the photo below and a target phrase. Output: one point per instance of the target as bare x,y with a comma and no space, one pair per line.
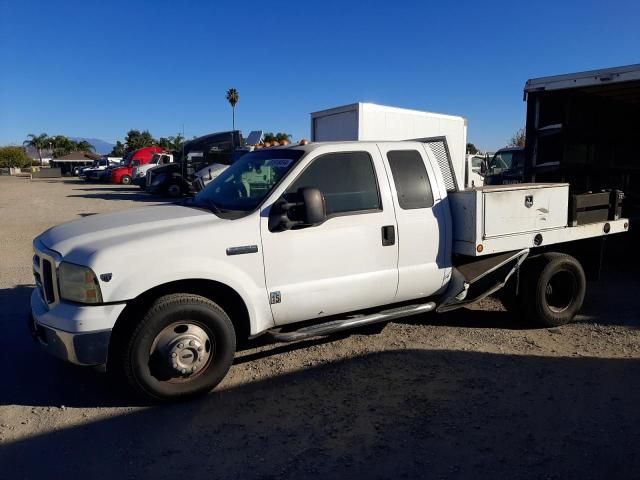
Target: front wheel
125,180
174,190
552,290
183,346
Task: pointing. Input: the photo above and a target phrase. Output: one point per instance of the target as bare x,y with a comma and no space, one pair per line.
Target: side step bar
333,326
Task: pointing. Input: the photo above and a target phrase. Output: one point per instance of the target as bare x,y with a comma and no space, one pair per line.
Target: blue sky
98,68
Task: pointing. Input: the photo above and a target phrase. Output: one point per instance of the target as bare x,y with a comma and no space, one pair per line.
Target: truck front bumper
76,333
140,181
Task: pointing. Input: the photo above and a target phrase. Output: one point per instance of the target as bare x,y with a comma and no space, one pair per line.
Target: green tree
472,149
118,150
518,139
233,97
176,142
171,143
84,146
165,143
281,136
136,139
14,157
62,145
38,142
276,137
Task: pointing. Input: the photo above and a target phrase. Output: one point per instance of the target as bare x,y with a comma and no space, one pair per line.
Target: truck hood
130,229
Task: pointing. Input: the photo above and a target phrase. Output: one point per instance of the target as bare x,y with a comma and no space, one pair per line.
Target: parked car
91,173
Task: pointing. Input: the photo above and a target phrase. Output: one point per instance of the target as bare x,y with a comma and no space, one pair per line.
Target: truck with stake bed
297,242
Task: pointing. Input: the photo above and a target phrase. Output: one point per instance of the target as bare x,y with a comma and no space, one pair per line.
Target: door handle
388,235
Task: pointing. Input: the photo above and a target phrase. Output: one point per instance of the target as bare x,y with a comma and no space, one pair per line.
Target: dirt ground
470,394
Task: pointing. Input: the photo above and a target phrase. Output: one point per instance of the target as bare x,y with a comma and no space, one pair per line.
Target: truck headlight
78,284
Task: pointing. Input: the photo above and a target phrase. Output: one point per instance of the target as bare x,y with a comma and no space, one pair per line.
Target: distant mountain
101,146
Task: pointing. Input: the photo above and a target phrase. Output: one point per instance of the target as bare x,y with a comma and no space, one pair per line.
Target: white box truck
372,122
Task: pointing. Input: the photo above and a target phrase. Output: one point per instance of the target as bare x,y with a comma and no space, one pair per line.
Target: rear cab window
411,179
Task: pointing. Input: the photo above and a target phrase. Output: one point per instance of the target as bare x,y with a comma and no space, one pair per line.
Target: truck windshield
506,161
246,183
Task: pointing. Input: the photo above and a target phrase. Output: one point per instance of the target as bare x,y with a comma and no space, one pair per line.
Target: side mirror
313,206
308,210
484,166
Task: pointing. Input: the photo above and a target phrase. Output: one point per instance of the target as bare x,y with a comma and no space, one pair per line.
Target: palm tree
62,145
233,97
176,142
38,142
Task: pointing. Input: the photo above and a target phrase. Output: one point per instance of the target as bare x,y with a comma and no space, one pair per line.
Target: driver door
350,261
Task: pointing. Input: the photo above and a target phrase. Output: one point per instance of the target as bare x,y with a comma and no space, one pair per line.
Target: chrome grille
47,281
44,273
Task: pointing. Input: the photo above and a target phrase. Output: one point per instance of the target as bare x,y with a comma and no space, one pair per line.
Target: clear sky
98,68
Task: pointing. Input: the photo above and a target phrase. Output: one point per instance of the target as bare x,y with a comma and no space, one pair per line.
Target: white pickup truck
296,242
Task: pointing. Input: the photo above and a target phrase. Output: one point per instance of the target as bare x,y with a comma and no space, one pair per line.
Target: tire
174,190
148,357
125,180
552,290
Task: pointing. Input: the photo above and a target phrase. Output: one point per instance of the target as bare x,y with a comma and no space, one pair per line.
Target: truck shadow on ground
393,414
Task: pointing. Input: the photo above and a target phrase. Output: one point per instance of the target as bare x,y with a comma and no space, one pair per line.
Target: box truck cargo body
369,121
582,128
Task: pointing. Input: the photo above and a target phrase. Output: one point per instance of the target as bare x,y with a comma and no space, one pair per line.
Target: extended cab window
347,180
411,179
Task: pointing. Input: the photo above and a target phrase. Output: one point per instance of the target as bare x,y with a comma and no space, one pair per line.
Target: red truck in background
123,174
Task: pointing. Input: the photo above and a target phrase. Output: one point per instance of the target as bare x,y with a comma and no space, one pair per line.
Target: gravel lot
471,394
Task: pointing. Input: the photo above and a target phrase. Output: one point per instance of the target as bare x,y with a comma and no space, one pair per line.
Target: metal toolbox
595,207
497,211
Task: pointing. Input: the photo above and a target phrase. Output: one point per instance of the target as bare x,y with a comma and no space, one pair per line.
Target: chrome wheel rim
181,352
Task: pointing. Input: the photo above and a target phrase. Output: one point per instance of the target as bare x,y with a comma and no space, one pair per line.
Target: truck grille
47,284
44,273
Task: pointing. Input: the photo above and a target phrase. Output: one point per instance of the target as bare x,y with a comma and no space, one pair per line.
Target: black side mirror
308,210
313,206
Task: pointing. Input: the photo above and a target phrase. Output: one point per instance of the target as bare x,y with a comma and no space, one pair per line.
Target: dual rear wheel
551,290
